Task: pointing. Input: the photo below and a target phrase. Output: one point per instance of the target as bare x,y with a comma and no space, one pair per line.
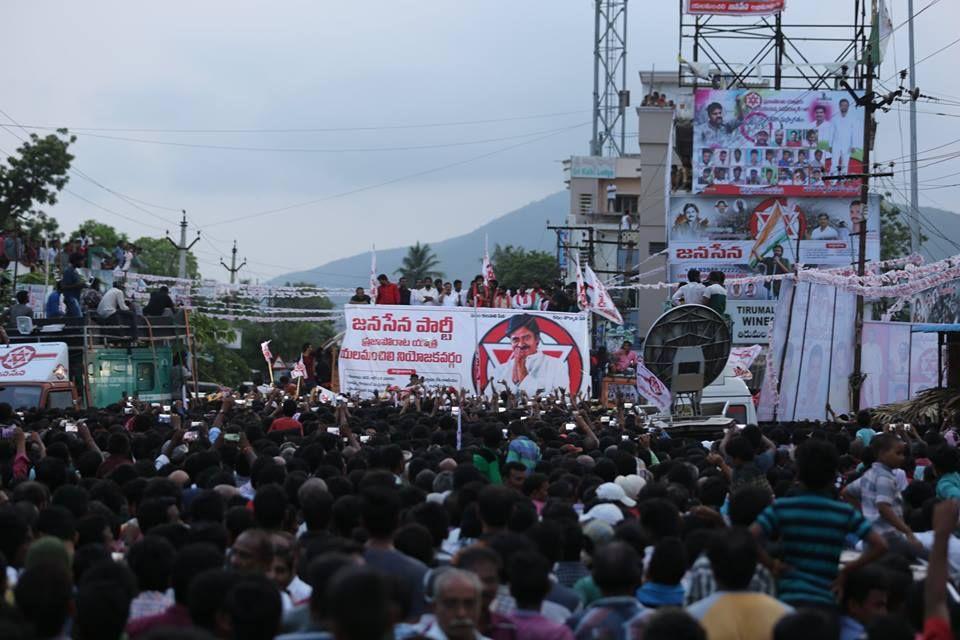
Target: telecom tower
610,95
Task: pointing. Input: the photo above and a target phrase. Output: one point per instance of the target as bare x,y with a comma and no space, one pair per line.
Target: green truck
103,363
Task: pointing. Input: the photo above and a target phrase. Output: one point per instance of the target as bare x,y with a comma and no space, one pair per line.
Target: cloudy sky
310,129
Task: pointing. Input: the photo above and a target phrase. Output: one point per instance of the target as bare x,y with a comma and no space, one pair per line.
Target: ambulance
36,375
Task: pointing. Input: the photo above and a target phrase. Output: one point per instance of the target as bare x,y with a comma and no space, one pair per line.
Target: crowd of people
427,513
37,254
437,292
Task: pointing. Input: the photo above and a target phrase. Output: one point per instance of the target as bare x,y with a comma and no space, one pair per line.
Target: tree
158,257
287,338
35,177
419,263
515,266
894,232
103,235
216,363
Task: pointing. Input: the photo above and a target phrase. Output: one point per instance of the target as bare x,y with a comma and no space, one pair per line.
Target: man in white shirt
692,291
113,307
523,299
847,135
447,297
427,294
824,231
611,197
825,128
528,369
460,292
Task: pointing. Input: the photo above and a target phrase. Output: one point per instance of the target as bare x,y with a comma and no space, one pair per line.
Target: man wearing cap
528,369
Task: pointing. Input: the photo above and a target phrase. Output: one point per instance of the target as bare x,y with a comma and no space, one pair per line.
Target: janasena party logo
561,359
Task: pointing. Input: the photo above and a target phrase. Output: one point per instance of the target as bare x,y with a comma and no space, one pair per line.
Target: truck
36,376
63,362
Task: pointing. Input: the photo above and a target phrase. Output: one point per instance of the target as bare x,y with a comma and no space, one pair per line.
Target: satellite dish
687,347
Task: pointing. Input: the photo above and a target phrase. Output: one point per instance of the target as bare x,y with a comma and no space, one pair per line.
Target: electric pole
233,268
183,247
914,186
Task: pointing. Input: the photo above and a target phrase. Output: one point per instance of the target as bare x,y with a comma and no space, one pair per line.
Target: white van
729,396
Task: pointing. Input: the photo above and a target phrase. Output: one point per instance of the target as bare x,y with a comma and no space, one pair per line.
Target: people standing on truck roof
21,308
53,307
160,303
91,297
72,285
114,306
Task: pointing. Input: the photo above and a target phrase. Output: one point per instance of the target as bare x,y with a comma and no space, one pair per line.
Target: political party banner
760,233
741,359
734,7
939,305
768,142
751,320
897,363
481,350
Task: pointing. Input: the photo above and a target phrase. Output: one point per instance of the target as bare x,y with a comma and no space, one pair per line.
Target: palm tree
419,263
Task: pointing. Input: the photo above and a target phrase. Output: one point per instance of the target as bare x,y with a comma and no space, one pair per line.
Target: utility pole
233,268
183,247
914,186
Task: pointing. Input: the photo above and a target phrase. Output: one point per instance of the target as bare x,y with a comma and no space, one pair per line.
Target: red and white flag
488,273
265,348
741,358
374,284
299,370
600,301
652,388
582,300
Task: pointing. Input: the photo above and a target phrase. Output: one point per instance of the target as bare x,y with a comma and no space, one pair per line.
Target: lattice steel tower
610,95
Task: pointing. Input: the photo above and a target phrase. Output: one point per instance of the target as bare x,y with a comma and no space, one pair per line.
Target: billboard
939,305
464,348
746,231
735,7
767,142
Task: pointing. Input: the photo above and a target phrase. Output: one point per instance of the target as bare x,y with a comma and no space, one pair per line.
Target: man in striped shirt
812,526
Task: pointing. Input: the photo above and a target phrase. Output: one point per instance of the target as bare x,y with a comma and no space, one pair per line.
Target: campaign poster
768,142
734,7
769,235
897,362
938,305
480,350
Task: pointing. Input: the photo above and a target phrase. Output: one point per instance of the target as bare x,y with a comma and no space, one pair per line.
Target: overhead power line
426,125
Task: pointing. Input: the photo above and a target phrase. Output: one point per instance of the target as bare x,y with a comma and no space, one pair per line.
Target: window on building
585,204
627,203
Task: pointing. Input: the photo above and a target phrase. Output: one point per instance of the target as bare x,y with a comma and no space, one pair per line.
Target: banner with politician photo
762,141
762,233
484,351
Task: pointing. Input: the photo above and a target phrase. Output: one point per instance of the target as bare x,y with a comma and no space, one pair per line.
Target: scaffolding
780,54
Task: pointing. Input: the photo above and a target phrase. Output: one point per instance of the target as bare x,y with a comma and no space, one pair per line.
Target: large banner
735,7
463,348
815,359
751,231
767,142
897,362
